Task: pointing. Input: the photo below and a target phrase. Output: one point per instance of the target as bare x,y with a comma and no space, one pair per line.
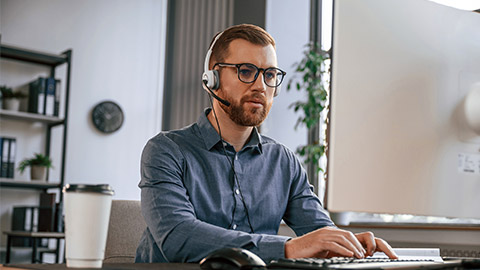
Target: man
219,183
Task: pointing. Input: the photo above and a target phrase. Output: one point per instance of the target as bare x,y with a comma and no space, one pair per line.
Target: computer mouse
232,259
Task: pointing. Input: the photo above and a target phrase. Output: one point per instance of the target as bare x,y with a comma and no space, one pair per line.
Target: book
56,109
35,99
46,215
24,102
5,158
1,156
41,84
58,225
22,220
49,104
11,158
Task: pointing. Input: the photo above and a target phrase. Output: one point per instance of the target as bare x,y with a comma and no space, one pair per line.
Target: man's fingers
330,241
352,243
375,244
338,249
348,241
368,241
351,237
385,248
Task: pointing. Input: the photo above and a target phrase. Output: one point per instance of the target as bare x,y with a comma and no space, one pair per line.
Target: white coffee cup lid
100,188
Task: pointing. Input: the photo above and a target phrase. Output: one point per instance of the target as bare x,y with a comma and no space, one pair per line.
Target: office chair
125,229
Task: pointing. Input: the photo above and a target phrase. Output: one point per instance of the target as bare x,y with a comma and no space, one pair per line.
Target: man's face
249,102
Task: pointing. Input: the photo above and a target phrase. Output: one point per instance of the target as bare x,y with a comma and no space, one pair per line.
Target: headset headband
209,53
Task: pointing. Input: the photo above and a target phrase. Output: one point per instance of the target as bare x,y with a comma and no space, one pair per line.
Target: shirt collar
208,133
255,141
211,137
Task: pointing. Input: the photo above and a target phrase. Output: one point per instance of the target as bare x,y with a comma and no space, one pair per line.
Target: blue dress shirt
192,204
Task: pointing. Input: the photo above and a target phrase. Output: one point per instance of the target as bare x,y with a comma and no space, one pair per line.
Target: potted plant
309,77
11,100
38,166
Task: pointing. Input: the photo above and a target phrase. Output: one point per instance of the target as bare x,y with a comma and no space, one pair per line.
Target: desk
108,266
139,266
34,236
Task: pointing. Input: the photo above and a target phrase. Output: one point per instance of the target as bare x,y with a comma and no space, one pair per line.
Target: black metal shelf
32,56
30,117
34,184
51,61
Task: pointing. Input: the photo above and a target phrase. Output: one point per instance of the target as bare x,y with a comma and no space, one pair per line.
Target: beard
245,117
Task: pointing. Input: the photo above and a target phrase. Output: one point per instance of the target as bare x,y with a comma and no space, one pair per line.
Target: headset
211,79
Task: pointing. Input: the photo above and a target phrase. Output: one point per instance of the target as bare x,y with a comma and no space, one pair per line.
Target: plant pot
12,104
38,172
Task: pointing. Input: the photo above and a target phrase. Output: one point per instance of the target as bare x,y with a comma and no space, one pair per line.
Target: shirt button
237,191
234,226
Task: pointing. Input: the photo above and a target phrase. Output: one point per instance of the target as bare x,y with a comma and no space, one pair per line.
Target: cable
234,173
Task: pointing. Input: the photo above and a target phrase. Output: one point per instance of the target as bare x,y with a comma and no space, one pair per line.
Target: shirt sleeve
171,219
304,212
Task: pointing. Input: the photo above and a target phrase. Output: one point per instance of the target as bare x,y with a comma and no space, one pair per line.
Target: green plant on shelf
37,160
7,92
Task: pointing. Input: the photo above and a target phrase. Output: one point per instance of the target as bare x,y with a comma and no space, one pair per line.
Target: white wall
289,23
117,55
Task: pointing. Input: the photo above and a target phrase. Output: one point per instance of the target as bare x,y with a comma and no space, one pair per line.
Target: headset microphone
223,101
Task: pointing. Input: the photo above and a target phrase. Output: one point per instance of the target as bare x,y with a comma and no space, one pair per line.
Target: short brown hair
248,32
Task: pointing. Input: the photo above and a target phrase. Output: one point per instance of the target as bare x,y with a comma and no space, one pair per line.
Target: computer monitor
404,135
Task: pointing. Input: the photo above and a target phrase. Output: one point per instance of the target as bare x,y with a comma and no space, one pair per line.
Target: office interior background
123,52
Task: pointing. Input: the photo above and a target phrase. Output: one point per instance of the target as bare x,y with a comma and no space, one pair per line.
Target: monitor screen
404,134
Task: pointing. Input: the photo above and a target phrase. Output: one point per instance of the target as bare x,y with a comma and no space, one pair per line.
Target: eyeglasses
248,73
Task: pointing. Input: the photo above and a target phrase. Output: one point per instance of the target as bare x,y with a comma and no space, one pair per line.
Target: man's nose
259,83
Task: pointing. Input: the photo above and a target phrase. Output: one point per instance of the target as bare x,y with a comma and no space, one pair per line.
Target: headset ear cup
216,80
209,79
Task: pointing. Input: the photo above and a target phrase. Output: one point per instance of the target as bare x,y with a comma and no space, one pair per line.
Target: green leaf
38,159
308,78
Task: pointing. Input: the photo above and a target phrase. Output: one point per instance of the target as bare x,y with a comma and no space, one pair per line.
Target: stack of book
43,96
39,218
7,159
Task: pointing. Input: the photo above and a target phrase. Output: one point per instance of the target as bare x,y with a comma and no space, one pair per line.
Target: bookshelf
9,183
35,57
50,62
30,117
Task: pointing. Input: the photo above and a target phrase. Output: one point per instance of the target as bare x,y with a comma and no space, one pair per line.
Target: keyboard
352,263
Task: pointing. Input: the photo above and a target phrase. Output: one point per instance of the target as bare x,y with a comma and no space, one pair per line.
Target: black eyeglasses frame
256,74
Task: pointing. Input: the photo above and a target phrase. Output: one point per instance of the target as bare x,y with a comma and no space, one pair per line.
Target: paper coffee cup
87,213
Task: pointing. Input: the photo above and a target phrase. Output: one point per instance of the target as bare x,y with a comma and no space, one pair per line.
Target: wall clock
107,116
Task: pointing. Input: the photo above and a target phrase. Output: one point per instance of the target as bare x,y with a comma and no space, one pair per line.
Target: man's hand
330,242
